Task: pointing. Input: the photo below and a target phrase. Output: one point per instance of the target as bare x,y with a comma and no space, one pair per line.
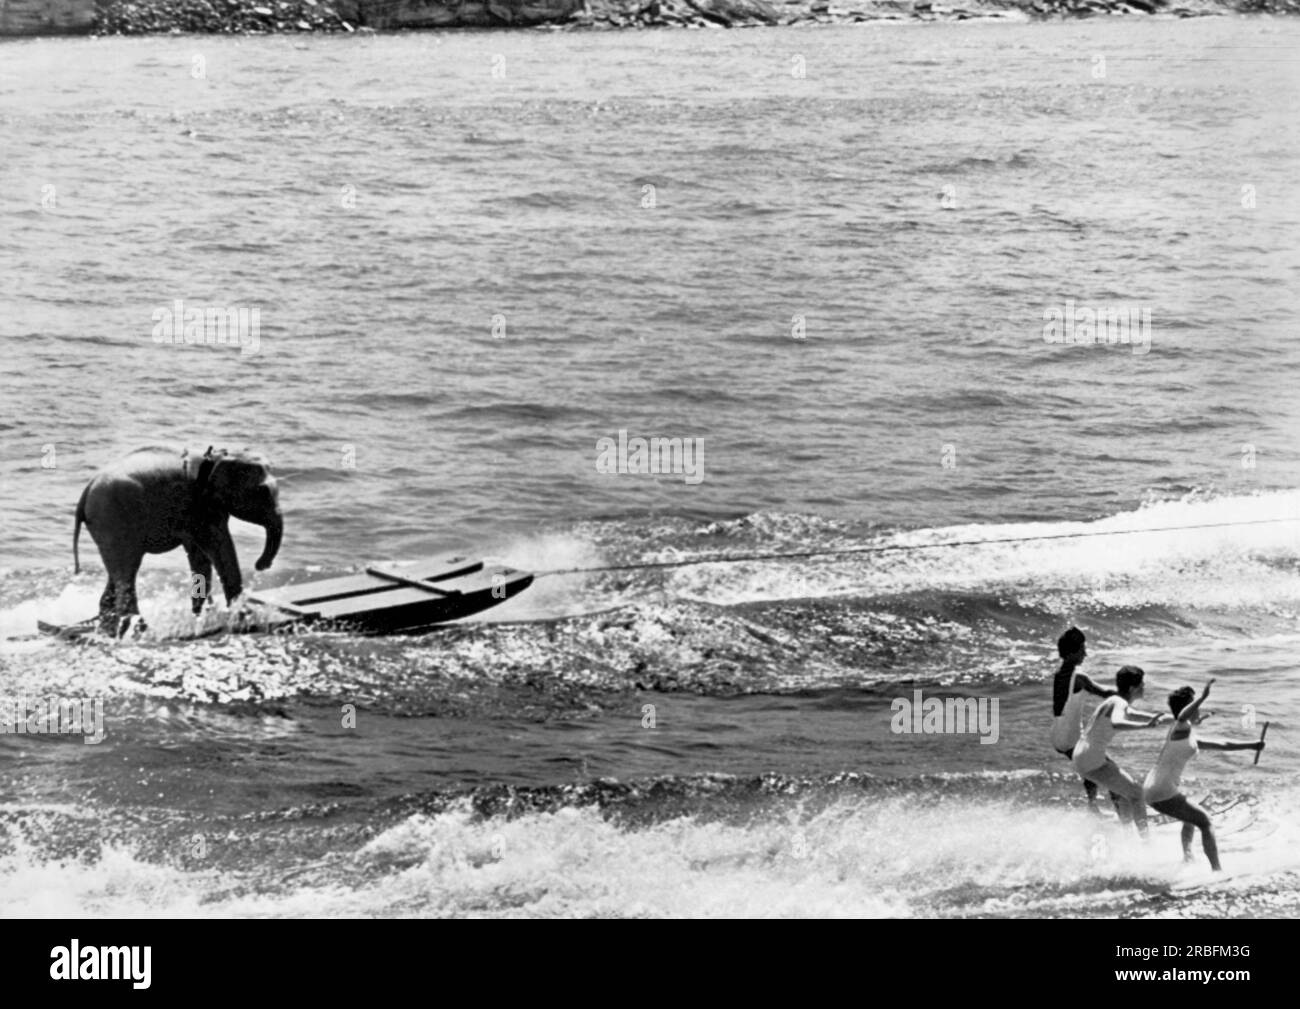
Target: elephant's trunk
274,526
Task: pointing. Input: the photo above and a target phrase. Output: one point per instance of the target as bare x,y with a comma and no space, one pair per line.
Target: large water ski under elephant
389,599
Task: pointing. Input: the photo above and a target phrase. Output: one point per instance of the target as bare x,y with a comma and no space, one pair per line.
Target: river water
823,258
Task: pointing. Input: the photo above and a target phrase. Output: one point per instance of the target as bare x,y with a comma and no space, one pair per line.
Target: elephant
157,499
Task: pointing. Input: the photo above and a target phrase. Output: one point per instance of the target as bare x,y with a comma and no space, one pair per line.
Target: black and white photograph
651,459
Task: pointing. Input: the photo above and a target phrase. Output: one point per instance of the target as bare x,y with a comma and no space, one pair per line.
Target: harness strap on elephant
204,471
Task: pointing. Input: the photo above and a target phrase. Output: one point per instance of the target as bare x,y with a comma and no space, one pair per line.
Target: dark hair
1070,642
1128,677
1180,698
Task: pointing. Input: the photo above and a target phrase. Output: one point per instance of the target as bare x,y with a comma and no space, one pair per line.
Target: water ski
68,632
84,628
389,599
1203,879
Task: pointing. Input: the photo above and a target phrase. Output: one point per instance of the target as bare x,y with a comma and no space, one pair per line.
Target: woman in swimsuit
1090,757
1161,787
1069,688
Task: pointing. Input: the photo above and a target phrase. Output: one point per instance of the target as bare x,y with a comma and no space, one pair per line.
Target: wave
1196,552
970,845
975,164
917,608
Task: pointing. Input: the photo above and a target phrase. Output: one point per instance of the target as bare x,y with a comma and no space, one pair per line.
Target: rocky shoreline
144,17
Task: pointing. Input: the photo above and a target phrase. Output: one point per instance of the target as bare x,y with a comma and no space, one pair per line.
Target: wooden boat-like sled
388,600
382,600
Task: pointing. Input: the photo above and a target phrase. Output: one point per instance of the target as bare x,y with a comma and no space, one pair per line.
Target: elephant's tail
76,530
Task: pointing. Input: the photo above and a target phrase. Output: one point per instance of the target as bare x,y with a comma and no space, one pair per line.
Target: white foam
858,856
1124,560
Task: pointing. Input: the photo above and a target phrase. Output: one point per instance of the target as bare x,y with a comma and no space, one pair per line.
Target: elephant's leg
122,554
200,577
108,609
221,548
127,605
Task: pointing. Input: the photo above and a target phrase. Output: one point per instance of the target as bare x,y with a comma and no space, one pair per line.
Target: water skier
1161,787
1090,757
1069,687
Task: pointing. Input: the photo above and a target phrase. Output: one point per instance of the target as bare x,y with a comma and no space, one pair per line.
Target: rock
751,11
263,16
709,14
